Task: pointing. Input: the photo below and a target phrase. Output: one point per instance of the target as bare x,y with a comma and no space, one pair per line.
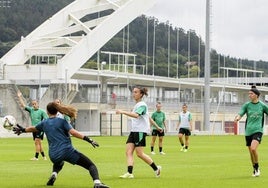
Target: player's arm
19,129
77,134
164,122
237,118
178,124
191,124
165,125
21,100
30,129
152,122
130,114
242,112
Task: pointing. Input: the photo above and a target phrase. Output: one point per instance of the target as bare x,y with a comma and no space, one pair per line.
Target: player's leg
180,135
254,156
41,136
56,169
252,148
146,158
186,143
140,143
86,163
36,147
160,142
154,135
129,155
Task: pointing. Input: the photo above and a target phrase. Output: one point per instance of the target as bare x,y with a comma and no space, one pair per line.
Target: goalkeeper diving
58,133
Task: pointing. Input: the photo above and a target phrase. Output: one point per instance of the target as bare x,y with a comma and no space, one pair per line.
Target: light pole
207,69
40,79
178,32
147,38
168,48
199,54
153,47
189,53
66,84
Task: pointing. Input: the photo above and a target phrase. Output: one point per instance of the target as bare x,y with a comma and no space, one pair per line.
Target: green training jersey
159,117
36,115
255,117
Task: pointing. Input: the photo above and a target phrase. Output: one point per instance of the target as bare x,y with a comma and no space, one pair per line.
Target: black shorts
256,136
158,133
184,131
39,135
137,138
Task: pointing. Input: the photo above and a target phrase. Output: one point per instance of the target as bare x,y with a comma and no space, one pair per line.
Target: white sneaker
45,158
185,150
162,153
182,148
256,173
153,153
157,172
34,159
127,175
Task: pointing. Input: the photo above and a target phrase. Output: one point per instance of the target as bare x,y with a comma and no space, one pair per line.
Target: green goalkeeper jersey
255,117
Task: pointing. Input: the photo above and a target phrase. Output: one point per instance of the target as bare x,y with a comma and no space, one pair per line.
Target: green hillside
23,16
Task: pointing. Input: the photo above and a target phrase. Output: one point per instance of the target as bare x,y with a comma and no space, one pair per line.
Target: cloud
238,28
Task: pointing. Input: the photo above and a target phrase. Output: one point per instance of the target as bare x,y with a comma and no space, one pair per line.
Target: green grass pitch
212,161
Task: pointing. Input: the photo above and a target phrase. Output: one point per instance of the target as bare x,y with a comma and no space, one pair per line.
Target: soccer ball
8,122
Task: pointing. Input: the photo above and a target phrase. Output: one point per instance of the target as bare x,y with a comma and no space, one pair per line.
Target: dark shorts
39,135
69,154
137,138
184,131
158,133
256,136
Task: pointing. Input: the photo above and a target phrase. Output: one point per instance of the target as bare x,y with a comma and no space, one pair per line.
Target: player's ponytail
68,110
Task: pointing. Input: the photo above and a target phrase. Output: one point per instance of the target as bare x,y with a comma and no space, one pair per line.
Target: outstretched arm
21,100
77,134
130,114
19,129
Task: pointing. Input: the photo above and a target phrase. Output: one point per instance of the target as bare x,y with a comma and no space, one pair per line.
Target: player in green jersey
36,115
254,110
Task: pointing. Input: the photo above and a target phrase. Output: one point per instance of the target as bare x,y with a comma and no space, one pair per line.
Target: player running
140,126
255,110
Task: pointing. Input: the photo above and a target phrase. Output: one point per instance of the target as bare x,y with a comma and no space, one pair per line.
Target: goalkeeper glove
92,142
18,129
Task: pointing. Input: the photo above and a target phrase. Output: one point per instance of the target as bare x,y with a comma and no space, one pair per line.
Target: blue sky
238,28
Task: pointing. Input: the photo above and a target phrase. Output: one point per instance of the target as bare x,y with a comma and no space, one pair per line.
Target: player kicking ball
58,133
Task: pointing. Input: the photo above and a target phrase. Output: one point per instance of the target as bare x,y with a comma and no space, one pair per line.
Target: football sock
43,154
186,147
152,148
160,149
36,155
256,166
182,144
154,166
130,169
